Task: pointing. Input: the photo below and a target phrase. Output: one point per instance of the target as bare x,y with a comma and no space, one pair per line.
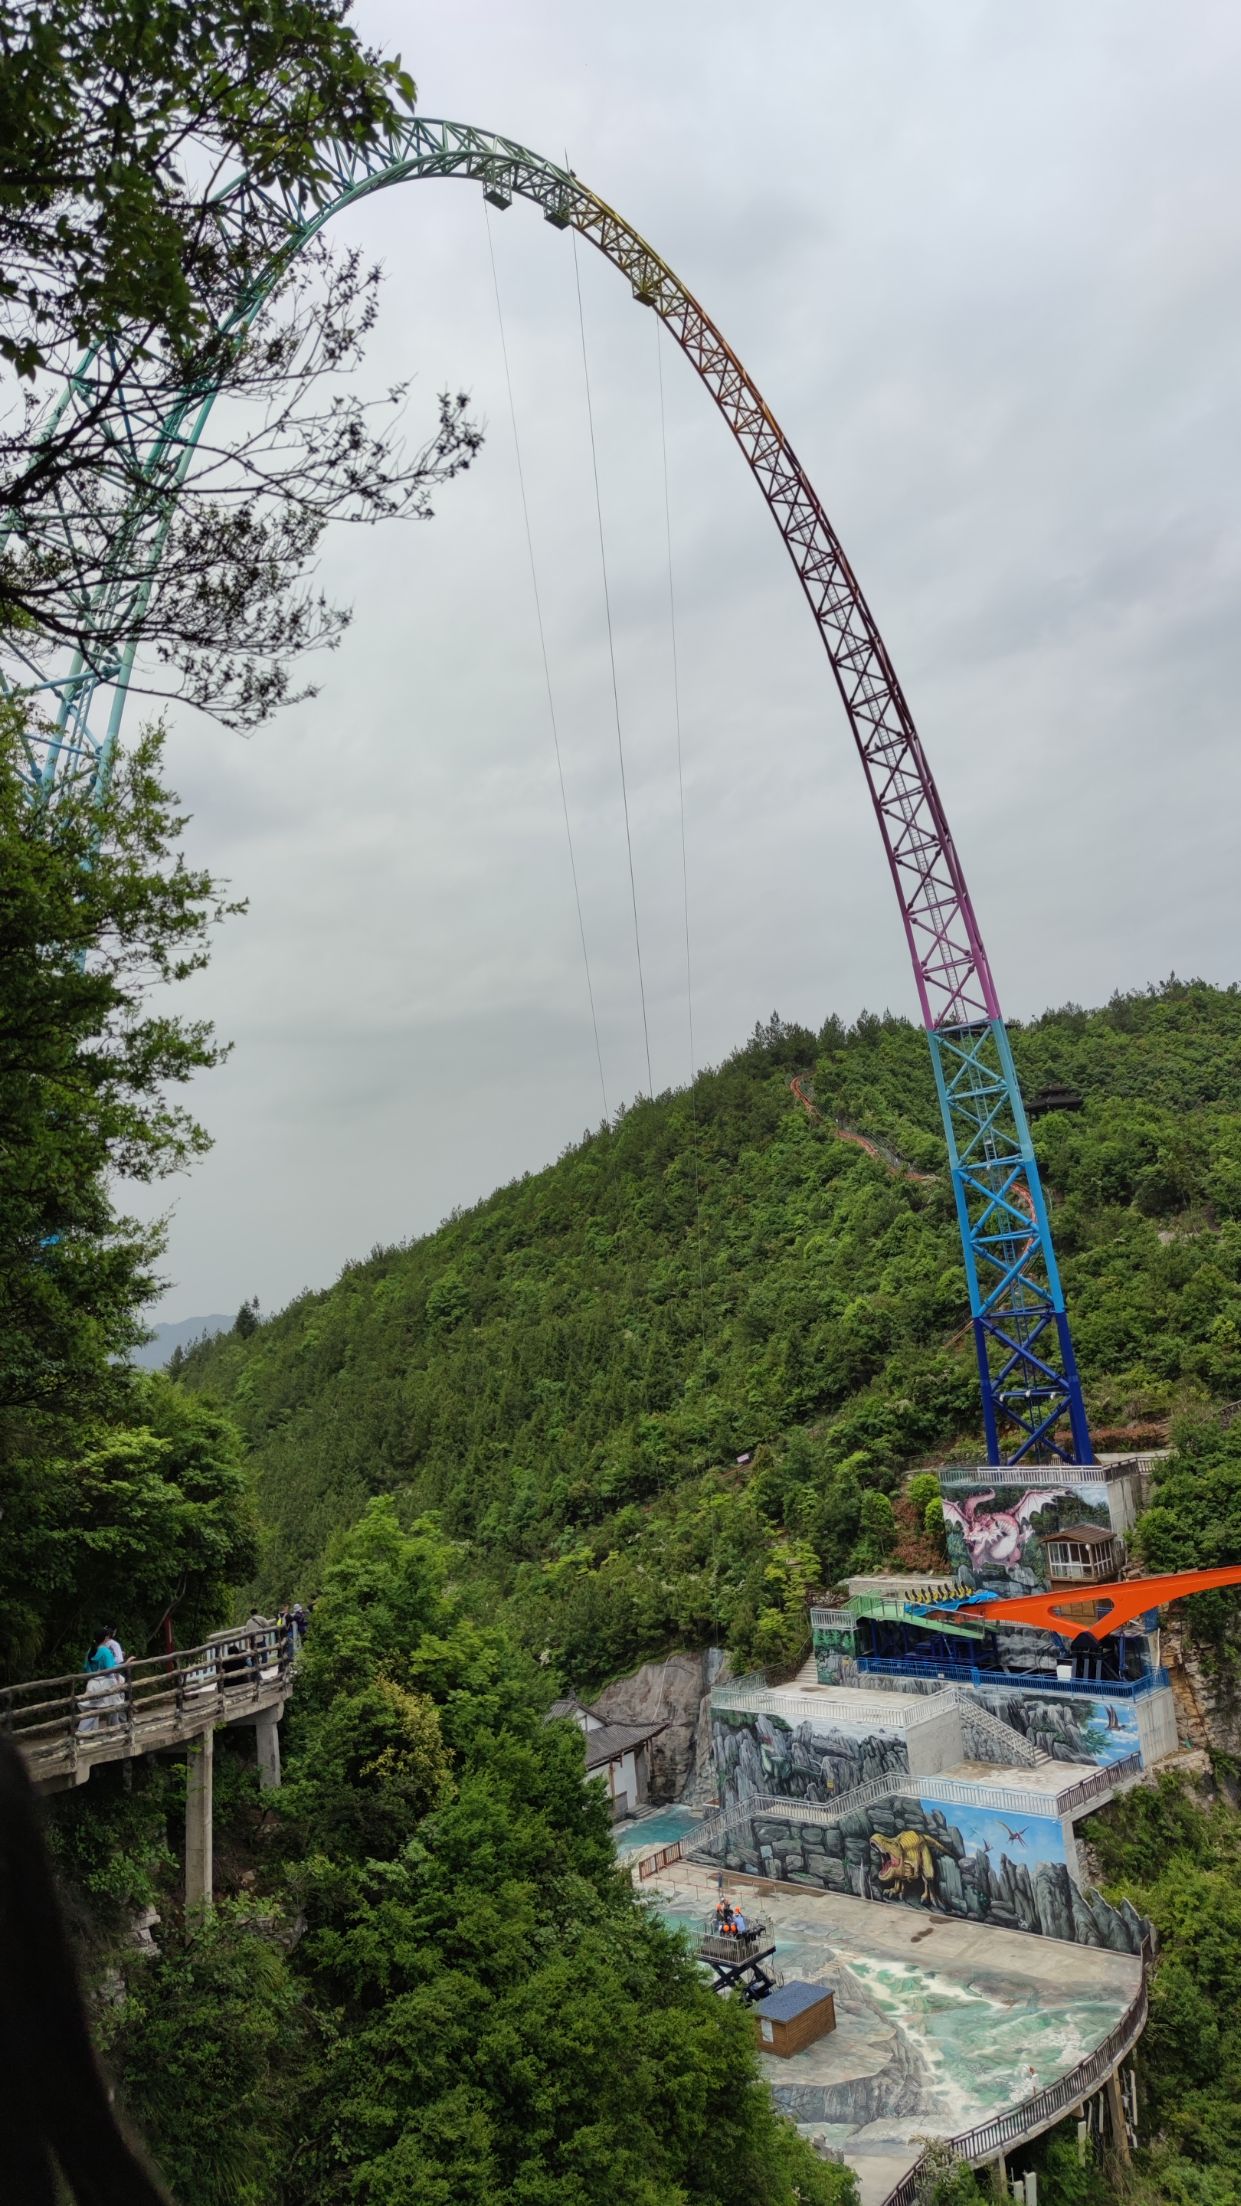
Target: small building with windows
1083,1555
615,1752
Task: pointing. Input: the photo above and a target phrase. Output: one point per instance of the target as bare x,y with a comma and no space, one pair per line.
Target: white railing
776,1700
828,1620
1074,1475
961,1792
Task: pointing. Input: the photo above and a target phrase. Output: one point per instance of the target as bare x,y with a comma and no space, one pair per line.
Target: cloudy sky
982,258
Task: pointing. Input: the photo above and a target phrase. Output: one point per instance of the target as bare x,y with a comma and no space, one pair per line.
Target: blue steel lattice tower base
114,541
1030,1382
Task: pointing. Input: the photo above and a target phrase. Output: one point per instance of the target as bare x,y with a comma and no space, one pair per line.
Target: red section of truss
1115,1606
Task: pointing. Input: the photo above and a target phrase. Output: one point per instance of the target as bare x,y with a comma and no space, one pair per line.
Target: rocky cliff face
1208,1703
675,1693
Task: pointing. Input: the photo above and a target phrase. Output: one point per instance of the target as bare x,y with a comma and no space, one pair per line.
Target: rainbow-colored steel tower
1031,1393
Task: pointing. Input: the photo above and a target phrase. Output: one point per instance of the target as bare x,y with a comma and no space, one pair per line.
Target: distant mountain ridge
155,1353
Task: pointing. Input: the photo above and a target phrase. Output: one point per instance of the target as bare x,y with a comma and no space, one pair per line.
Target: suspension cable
689,968
607,602
547,677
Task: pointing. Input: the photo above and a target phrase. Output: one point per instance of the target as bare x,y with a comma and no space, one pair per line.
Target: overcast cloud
982,260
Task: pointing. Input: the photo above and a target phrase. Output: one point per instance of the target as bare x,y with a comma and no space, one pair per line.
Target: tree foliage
123,129
123,1499
96,909
1180,1861
135,1518
478,2007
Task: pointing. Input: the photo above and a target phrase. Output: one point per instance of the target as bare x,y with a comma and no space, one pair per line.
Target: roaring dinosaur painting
907,1864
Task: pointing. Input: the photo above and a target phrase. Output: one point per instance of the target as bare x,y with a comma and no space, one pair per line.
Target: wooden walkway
65,1726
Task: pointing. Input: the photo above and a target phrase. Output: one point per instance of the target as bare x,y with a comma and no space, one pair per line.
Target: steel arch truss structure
1032,1401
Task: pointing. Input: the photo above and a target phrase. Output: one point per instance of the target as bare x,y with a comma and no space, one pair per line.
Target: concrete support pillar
267,1748
1116,2107
999,2177
199,1768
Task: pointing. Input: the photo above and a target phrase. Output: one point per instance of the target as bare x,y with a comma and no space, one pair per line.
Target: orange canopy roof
1114,1606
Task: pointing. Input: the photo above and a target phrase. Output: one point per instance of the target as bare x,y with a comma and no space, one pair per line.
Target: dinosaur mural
911,1850
907,1864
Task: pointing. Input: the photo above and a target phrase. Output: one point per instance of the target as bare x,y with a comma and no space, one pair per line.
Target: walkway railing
61,1722
778,1701
1016,1681
962,1792
1043,1474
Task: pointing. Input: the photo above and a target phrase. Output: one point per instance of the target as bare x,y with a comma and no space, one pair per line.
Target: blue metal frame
1018,1681
1030,1382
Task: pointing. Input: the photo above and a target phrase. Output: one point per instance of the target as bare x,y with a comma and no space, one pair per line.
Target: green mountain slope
568,1372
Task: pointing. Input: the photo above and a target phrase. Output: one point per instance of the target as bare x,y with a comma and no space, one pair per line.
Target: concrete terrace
943,2027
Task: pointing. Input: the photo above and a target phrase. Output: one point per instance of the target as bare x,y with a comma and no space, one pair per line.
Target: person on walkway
99,1656
100,1694
113,1645
55,2107
263,1641
299,1623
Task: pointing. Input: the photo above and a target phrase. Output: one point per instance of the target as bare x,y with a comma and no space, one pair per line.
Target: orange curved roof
1115,1605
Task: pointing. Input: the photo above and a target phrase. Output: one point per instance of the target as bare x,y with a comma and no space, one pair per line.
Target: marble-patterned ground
941,2024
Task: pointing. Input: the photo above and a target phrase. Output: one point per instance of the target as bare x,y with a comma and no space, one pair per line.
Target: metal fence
1016,1681
709,1835
1045,1474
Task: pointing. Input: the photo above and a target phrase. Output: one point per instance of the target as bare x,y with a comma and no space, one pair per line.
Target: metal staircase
1011,1747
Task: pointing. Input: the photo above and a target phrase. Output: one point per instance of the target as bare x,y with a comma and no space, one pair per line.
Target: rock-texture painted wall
906,1851
834,1645
756,1752
1068,1726
996,1533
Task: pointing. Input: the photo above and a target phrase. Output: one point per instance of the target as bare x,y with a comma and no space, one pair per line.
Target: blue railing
1014,1681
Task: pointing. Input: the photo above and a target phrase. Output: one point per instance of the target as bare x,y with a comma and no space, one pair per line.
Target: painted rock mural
905,1851
759,1752
1069,1726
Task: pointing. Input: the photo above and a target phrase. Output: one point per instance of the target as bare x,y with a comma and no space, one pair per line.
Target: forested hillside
568,1372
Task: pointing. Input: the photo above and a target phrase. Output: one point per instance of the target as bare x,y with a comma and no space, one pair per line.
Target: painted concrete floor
940,2024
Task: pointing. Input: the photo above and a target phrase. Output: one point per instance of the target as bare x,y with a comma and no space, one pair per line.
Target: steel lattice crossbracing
1030,1385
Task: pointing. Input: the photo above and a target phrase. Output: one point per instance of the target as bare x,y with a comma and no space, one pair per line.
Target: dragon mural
997,1538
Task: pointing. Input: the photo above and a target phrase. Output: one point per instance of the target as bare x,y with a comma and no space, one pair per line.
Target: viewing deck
66,1726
